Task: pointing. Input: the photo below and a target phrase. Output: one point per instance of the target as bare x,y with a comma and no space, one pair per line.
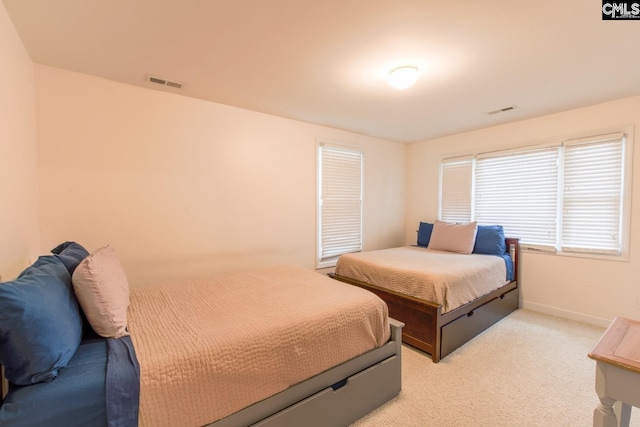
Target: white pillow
451,237
102,289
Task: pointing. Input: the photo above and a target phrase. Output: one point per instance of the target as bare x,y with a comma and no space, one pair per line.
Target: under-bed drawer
345,402
464,328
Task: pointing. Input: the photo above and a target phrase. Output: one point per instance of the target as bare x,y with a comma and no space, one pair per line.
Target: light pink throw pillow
451,237
102,289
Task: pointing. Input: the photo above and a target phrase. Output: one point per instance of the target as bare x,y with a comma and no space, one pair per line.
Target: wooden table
617,372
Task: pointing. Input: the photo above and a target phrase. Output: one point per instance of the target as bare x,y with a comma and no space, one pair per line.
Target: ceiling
325,61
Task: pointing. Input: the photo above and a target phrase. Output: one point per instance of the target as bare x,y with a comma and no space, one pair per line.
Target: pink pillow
102,289
450,237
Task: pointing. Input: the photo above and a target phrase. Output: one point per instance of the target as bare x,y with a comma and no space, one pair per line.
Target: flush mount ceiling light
403,77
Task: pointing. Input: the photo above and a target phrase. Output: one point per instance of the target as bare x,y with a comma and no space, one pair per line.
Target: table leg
603,415
625,415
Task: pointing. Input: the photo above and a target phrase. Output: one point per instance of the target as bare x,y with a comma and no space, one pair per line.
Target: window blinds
592,197
456,190
340,201
566,196
519,190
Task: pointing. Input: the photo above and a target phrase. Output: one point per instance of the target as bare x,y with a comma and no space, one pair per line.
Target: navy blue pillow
490,240
40,325
70,253
424,233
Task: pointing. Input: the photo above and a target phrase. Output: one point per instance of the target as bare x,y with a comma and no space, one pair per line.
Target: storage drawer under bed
464,328
344,402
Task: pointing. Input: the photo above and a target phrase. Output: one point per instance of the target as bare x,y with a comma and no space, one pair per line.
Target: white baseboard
565,314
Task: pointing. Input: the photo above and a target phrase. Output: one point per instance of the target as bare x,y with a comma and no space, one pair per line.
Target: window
455,190
339,203
568,197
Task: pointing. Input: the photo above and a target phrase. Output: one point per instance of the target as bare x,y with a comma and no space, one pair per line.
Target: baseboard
565,314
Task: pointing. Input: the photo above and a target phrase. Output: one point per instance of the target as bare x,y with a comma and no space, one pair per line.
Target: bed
270,347
432,322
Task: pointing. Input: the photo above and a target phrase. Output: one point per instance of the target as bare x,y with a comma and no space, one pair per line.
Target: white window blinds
568,197
340,199
456,177
519,190
592,202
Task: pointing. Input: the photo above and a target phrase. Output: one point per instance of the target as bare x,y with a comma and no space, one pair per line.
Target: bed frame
336,397
438,334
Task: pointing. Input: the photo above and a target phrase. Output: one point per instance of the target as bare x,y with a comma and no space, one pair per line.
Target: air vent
163,82
502,110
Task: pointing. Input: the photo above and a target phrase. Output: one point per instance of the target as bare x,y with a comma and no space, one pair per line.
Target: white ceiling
325,61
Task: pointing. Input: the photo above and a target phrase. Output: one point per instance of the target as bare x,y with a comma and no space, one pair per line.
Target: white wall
184,188
589,290
19,241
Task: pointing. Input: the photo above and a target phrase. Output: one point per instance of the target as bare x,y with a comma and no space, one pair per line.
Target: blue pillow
40,326
70,253
490,240
424,233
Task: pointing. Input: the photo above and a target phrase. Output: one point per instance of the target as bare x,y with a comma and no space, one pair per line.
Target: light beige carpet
529,369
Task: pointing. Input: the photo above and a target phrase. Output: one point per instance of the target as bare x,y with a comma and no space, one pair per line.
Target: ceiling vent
502,110
163,82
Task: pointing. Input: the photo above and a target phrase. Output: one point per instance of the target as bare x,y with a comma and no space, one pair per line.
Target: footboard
422,319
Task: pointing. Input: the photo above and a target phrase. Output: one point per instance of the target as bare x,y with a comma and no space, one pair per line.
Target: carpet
529,369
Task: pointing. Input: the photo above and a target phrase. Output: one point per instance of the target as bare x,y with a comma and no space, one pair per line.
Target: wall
184,188
18,157
588,290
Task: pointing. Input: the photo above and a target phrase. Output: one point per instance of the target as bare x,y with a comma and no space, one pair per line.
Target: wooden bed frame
438,334
338,396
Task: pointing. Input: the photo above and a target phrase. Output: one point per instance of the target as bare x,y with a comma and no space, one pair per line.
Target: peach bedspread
210,348
446,278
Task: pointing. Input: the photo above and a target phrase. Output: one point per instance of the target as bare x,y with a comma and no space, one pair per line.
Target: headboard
513,249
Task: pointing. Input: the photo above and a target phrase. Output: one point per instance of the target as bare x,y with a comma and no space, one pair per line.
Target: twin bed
271,347
444,294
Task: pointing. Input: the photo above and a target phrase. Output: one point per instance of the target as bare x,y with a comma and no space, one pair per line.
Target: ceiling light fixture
403,77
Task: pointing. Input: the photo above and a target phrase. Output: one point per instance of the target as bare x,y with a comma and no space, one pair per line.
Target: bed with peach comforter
271,347
208,349
443,298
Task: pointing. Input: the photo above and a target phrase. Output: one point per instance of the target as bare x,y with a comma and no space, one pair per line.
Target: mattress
210,348
445,278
